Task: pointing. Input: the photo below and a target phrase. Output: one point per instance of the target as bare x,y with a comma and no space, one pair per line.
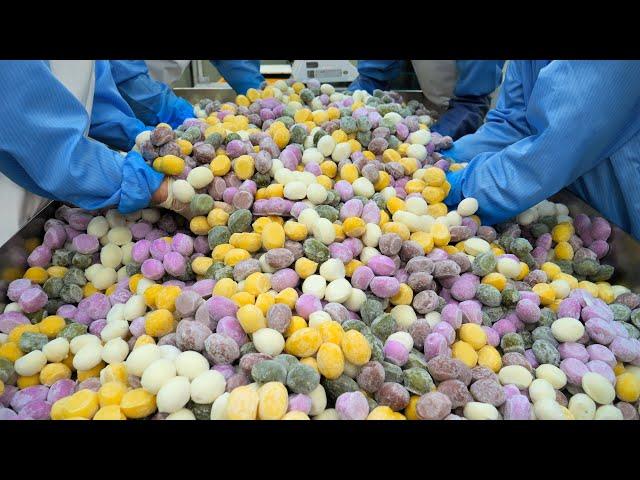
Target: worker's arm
240,74
42,133
577,110
375,74
504,125
112,120
152,102
477,79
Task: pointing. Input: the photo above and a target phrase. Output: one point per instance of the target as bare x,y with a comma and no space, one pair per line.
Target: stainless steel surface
197,70
13,254
194,95
624,253
204,75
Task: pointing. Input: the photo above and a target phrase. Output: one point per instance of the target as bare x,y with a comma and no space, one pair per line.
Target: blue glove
599,160
464,116
485,212
375,74
139,183
367,83
240,74
455,194
451,153
176,111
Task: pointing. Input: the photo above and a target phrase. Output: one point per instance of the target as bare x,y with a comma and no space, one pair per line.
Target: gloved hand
464,116
172,203
241,75
376,74
362,82
451,153
489,213
176,112
455,194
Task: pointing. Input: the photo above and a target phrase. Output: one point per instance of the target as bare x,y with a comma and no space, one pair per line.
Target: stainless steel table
624,254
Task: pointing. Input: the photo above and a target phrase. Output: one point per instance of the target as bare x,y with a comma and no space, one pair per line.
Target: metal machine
326,71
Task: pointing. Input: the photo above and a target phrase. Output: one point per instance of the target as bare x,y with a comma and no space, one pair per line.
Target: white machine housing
325,71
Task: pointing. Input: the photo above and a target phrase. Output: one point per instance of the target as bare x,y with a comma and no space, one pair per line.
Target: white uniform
19,205
437,79
167,71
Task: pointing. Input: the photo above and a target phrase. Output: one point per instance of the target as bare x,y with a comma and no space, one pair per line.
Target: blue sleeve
504,125
562,146
477,79
42,137
240,74
112,120
375,74
152,102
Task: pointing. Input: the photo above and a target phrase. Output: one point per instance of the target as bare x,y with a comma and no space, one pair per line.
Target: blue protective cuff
240,86
355,85
241,75
487,217
455,194
176,111
122,139
376,74
464,116
451,153
139,182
